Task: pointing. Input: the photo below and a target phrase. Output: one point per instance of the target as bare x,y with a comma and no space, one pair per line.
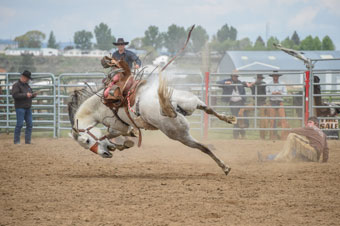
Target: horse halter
93,148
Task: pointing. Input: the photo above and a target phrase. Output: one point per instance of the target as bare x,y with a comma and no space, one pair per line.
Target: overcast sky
130,18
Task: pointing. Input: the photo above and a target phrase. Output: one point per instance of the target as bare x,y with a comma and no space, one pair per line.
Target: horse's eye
88,141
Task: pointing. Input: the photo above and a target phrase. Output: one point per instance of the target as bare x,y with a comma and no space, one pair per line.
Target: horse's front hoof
129,144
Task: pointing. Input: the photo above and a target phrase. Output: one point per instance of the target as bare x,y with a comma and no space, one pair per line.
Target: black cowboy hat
120,41
27,74
275,73
259,76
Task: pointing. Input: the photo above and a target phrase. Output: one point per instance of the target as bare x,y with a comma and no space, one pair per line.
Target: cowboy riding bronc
126,55
120,87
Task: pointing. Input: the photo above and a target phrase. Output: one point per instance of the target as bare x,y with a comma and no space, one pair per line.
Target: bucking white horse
156,107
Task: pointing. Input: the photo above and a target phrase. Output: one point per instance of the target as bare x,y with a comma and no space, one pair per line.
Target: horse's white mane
77,98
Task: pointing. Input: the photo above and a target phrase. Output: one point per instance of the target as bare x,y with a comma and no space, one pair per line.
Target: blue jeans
23,114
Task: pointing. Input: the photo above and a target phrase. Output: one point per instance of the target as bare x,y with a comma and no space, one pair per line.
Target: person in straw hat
125,54
276,93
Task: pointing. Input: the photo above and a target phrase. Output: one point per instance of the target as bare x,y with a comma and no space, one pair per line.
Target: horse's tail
164,96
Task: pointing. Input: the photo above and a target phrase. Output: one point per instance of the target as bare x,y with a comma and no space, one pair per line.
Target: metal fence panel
293,101
67,83
50,106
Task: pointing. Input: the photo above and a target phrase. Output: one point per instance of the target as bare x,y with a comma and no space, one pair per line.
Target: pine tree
259,44
52,42
295,38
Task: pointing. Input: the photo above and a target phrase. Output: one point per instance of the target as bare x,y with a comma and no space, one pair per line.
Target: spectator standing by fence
276,92
22,94
235,88
259,88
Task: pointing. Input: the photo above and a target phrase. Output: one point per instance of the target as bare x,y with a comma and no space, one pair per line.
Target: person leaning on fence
259,88
303,144
125,54
276,101
235,87
23,95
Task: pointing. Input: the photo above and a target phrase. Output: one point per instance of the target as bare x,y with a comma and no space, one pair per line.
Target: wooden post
206,116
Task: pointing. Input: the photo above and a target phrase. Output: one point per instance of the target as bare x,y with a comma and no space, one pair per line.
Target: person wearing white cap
276,92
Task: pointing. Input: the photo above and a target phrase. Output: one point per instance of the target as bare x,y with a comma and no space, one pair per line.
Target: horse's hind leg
227,118
191,142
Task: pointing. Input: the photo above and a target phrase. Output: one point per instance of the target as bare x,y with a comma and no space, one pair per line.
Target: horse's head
89,140
116,64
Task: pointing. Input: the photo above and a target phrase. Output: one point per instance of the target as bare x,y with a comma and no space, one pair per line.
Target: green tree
327,43
223,33
174,38
259,44
307,43
270,43
295,38
27,63
32,39
232,33
103,37
245,44
152,37
310,43
82,39
199,37
317,43
288,43
226,33
52,41
136,43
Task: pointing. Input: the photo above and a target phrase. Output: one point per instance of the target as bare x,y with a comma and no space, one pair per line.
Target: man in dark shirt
125,54
235,88
259,88
22,94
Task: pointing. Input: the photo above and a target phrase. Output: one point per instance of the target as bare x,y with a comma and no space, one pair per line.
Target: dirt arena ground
56,182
